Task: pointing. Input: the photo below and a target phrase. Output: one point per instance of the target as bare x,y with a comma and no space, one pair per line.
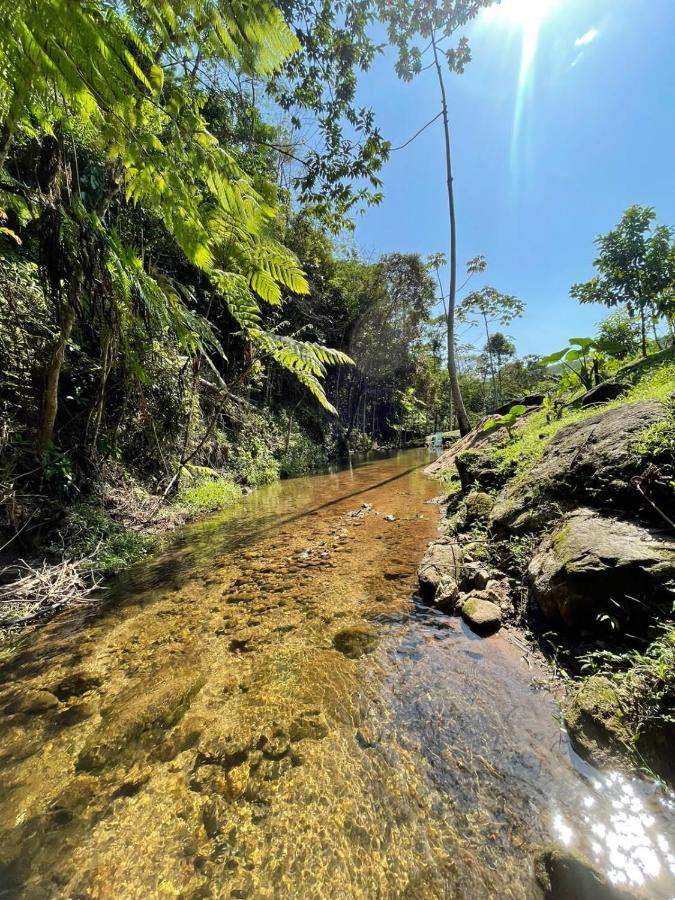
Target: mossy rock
596,720
354,642
481,615
480,469
478,506
565,875
589,460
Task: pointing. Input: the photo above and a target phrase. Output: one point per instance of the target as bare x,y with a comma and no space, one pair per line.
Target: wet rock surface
565,875
481,614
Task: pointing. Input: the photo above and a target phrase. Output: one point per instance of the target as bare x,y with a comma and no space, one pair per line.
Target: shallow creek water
204,734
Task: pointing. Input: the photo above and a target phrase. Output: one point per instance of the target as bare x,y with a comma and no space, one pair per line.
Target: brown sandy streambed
265,712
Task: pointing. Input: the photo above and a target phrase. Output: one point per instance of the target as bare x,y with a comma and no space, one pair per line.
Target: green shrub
252,452
90,534
303,455
208,495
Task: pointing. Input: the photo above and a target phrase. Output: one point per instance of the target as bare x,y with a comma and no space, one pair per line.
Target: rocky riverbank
564,529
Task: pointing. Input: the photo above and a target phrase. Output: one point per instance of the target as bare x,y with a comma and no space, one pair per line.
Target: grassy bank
621,698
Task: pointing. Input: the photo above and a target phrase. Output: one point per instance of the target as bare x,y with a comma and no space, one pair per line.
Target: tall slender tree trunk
493,374
643,332
354,410
458,402
50,400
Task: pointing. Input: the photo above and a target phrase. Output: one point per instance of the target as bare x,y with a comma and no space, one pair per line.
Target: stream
266,711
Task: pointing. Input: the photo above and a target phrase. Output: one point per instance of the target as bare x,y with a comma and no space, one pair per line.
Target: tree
500,347
636,268
490,305
621,330
433,22
395,300
116,77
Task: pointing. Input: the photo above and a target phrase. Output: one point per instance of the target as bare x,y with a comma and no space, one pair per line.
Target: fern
89,63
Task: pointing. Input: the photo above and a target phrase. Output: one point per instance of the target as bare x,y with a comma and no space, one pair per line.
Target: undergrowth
207,495
103,545
644,682
531,439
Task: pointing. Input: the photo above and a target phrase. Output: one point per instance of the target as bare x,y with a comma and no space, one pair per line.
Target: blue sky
596,134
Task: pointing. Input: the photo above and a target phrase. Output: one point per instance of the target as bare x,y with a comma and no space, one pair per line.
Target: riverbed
266,711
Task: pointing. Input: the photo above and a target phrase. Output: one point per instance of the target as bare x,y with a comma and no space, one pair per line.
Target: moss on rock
596,720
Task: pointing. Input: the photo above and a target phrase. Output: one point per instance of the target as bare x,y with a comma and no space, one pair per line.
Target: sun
527,14
528,17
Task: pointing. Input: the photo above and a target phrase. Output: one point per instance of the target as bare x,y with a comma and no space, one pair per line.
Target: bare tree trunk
289,430
50,401
643,332
355,410
458,402
106,365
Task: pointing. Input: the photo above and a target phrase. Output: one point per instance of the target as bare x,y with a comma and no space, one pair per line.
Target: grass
207,495
531,438
90,534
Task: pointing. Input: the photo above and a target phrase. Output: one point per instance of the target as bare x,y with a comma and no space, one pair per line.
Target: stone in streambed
355,641
439,573
142,708
566,875
310,725
32,703
396,573
481,615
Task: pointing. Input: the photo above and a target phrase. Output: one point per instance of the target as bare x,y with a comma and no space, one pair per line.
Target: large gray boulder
593,562
588,461
439,575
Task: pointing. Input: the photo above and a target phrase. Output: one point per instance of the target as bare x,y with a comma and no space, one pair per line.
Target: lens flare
526,16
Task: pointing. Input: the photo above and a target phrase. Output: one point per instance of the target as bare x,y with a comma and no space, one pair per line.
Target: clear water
201,736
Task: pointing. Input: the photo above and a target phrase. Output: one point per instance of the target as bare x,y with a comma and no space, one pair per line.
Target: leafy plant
506,421
589,354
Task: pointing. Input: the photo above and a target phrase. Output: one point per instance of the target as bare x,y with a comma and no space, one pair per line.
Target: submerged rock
136,711
32,703
566,875
310,725
481,614
592,562
355,641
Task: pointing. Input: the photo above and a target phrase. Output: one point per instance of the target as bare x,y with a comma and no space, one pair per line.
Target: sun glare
525,13
524,18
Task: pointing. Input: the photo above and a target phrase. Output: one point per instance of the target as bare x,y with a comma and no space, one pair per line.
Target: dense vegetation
171,280
181,313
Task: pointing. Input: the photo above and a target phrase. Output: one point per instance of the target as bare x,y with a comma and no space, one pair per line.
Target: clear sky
551,144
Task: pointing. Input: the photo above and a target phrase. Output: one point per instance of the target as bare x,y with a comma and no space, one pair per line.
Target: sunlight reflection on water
624,819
